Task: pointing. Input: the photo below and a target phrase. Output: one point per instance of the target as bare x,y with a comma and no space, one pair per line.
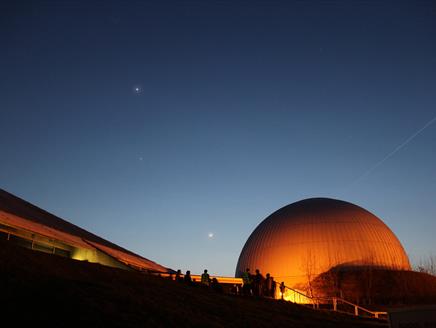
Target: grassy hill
41,289
377,288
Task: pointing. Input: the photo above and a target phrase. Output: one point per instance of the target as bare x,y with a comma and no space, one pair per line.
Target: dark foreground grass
44,290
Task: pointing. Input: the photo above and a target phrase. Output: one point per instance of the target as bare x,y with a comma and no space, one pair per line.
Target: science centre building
304,239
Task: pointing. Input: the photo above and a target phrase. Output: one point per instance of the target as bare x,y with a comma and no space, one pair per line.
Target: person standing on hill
216,286
205,278
179,276
274,286
246,279
282,288
268,286
187,278
257,283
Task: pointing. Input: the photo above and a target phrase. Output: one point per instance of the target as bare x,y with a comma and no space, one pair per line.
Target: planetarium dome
309,237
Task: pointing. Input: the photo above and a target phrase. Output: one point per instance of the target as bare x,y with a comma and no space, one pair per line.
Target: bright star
210,235
137,89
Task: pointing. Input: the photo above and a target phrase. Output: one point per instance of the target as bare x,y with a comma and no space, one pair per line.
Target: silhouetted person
205,278
257,283
187,278
246,279
179,276
268,286
216,286
282,288
274,287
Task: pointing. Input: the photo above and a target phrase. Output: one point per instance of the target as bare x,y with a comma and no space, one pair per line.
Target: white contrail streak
393,152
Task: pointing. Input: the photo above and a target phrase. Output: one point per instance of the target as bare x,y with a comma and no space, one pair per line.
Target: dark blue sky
243,107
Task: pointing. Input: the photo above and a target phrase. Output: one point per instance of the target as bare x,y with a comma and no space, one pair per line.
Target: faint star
140,158
210,235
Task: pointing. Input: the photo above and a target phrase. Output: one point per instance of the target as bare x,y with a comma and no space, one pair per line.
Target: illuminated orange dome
306,238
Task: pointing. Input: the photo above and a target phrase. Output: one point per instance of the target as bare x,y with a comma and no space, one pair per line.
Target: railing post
356,310
335,304
376,315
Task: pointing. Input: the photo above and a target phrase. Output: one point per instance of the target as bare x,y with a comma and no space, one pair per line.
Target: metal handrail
358,307
334,300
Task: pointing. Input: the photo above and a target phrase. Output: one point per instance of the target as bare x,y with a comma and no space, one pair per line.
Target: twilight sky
155,123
